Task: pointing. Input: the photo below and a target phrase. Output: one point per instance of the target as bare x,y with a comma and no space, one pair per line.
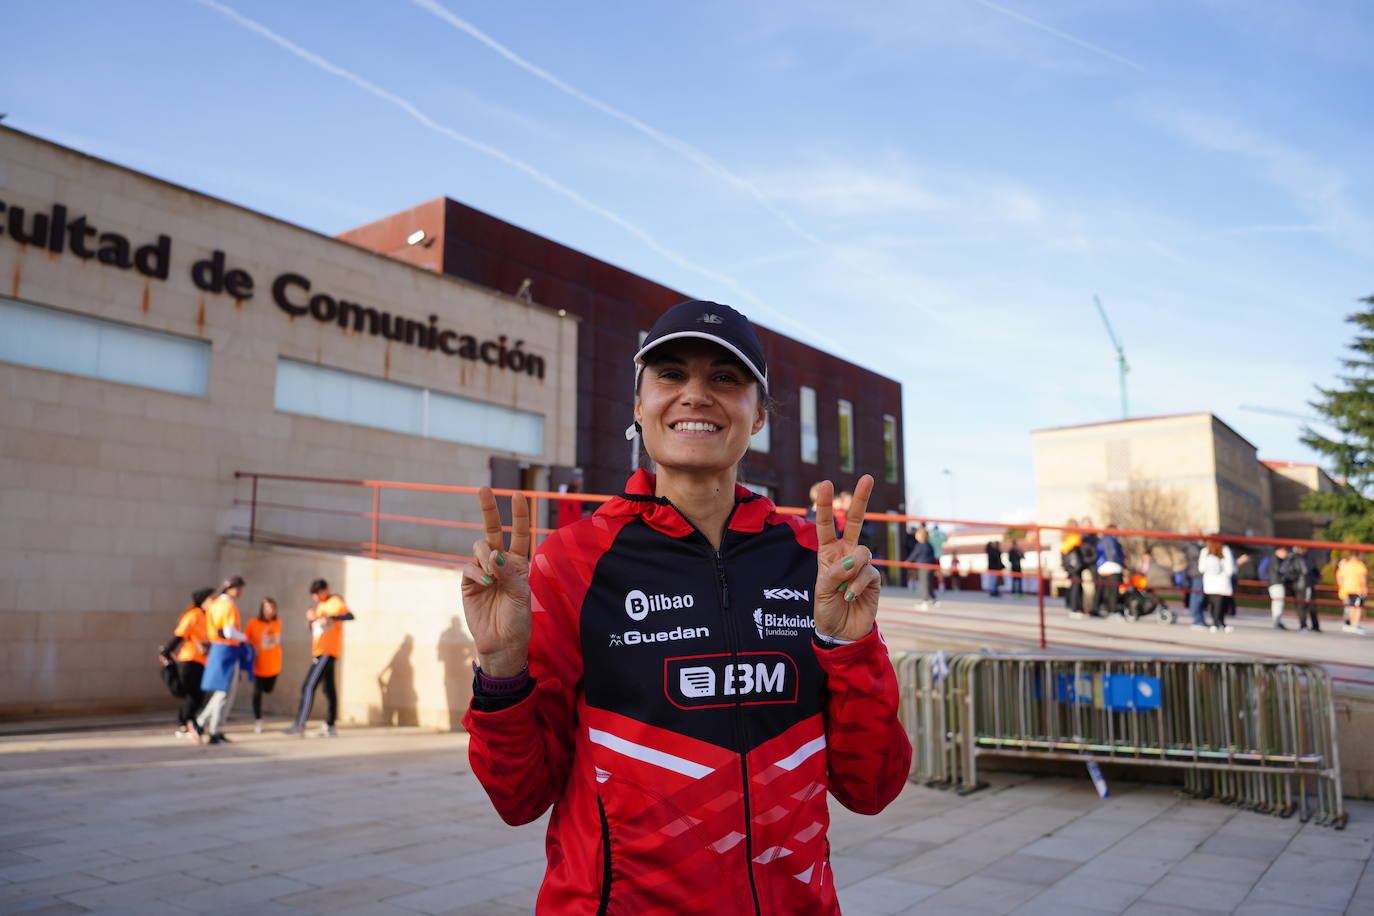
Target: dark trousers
1018,585
1216,604
1307,608
1107,593
1073,600
994,582
190,673
321,673
924,576
263,685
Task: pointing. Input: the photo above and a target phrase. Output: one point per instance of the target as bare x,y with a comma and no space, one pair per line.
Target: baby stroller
1139,600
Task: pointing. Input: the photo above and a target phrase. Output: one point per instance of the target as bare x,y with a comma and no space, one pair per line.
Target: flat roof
1167,416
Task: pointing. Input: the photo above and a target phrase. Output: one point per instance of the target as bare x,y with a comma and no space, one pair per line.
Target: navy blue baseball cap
711,321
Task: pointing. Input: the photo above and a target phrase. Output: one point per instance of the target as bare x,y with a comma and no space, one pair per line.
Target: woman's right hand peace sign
496,589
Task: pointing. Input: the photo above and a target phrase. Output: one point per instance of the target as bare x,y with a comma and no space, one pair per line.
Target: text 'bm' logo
638,605
747,679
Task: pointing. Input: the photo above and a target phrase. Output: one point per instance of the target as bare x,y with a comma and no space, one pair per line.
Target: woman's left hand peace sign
847,584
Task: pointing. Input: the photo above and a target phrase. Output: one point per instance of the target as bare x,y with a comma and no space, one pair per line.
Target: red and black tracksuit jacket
683,723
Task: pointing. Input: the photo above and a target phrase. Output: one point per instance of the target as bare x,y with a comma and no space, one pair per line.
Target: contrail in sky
681,147
539,176
1021,17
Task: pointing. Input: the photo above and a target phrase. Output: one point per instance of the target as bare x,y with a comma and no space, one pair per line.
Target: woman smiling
685,674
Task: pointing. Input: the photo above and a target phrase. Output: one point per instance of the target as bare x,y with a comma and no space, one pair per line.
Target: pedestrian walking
1274,573
924,554
1111,564
937,544
187,650
326,619
1192,572
1014,558
1218,566
264,635
995,567
225,658
684,675
1071,559
1299,580
1352,583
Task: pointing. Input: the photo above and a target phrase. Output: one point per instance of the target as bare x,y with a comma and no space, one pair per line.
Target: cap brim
701,335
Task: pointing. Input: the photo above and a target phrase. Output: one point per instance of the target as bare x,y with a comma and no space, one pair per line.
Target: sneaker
330,732
293,730
1278,625
219,739
182,733
1211,629
1199,626
1358,631
257,727
324,731
923,605
1077,615
1228,629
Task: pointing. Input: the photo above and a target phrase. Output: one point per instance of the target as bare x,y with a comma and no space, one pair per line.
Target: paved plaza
128,819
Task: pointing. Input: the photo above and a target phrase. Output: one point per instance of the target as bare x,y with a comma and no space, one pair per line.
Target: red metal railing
377,548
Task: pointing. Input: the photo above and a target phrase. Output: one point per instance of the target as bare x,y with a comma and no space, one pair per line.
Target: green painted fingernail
500,560
843,586
848,596
848,563
486,579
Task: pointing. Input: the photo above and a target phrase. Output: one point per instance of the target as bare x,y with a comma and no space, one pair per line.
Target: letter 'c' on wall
279,287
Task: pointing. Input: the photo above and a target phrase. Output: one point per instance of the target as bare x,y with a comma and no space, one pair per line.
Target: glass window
346,397
810,441
45,338
890,447
759,442
846,415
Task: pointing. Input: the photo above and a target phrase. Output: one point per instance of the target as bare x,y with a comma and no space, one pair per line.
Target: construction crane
1121,363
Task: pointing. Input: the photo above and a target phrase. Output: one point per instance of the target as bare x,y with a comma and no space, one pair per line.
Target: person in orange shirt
222,664
264,635
186,649
326,629
1352,581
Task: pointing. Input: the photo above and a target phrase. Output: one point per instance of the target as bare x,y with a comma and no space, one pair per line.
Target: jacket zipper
605,860
732,637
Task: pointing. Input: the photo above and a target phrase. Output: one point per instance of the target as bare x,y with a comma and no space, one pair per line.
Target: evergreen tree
1350,411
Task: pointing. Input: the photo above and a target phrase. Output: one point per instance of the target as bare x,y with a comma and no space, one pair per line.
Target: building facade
835,420
1168,473
154,341
1289,483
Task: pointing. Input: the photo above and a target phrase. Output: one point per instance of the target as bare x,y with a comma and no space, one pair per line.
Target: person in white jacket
1218,568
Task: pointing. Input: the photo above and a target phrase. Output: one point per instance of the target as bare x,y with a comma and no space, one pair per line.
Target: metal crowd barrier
1256,734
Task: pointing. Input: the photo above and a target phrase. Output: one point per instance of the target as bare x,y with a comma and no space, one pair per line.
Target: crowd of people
212,650
1207,579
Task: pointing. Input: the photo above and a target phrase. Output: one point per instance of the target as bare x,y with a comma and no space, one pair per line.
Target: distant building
1167,473
1289,482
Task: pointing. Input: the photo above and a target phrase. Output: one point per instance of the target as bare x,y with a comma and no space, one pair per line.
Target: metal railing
1258,734
448,548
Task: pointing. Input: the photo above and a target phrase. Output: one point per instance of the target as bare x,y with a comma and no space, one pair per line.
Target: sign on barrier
1254,733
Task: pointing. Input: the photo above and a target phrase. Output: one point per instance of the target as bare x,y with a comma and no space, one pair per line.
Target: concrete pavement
389,821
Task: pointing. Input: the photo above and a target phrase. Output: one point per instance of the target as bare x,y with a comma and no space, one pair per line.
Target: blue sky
935,189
